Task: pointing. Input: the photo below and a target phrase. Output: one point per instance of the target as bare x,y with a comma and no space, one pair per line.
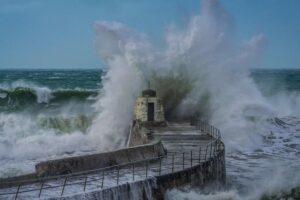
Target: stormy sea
46,114
198,69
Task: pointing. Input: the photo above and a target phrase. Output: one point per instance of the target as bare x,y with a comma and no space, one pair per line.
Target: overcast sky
58,33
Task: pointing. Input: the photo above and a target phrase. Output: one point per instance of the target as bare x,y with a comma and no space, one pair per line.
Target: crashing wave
21,97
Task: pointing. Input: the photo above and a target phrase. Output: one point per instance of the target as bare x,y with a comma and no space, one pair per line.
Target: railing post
210,150
42,185
205,153
183,160
63,189
118,173
172,162
215,148
147,168
199,155
102,183
133,171
191,158
84,186
216,132
17,192
159,166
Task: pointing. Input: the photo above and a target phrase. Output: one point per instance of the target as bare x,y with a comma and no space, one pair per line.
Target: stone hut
148,109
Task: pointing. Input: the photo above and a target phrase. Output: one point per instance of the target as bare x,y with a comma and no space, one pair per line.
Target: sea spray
23,143
200,60
216,85
121,84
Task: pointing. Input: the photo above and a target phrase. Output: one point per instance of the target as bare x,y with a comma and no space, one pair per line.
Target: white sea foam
195,195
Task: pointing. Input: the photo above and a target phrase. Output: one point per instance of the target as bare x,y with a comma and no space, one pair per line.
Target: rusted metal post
102,183
41,188
84,186
63,189
133,171
17,192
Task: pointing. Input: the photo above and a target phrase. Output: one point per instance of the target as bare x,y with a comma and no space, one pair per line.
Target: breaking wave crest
21,97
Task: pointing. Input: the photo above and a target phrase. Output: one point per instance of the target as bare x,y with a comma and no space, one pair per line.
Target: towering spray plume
199,71
120,49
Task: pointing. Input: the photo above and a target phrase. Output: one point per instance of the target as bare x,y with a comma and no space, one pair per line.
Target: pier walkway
186,147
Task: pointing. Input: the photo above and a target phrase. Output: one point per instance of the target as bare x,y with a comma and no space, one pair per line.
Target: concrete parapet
101,160
154,188
130,191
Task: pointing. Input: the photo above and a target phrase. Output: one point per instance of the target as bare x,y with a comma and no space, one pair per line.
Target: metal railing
116,175
209,129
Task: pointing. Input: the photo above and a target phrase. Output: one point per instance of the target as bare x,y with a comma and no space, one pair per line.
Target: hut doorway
151,112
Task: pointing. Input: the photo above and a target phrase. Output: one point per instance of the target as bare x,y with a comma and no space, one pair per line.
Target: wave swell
21,97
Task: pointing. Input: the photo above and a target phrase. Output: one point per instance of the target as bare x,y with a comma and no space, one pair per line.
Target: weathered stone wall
141,109
94,161
138,135
8,182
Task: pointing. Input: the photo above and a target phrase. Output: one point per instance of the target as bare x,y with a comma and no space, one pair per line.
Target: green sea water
36,89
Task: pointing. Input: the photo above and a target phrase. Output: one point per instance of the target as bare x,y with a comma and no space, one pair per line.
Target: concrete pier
166,157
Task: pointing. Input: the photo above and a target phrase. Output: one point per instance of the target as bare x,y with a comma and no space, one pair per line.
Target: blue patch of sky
58,33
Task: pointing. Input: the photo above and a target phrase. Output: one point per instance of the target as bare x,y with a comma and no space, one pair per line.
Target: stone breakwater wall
87,162
101,160
201,175
211,171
